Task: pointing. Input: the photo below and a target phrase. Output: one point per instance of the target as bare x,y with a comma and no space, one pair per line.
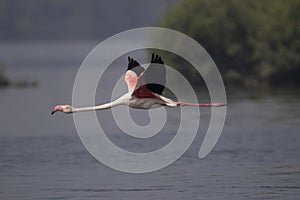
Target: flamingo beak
57,108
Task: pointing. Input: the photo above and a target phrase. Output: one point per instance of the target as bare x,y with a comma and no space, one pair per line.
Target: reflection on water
41,156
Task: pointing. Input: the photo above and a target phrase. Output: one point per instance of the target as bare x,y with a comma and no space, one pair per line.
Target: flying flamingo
142,93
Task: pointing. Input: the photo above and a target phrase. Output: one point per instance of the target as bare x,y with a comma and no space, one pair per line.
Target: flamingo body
145,89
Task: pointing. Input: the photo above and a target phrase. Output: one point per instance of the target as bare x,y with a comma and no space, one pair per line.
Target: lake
42,157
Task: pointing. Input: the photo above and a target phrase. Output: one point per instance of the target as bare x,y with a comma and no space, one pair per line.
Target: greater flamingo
145,89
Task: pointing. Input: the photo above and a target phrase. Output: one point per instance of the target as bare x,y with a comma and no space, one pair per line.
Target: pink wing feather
131,80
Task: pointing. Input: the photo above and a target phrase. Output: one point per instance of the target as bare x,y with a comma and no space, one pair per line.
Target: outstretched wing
146,83
155,75
134,66
134,70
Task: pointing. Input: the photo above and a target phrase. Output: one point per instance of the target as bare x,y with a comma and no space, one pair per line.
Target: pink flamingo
142,93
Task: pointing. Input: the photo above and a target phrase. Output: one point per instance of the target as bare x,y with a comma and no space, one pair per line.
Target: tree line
254,43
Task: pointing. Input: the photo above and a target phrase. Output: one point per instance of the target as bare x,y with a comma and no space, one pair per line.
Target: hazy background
256,47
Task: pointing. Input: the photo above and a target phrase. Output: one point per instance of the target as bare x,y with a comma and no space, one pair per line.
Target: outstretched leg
201,105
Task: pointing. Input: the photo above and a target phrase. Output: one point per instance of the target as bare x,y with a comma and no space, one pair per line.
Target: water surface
42,157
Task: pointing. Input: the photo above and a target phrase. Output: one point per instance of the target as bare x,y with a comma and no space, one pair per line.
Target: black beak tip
52,112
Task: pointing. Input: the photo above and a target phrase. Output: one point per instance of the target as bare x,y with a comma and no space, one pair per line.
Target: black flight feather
155,75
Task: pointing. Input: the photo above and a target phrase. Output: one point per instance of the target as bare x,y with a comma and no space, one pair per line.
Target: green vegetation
3,79
5,82
254,43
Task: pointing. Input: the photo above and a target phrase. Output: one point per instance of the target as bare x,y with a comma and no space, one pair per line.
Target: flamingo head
62,108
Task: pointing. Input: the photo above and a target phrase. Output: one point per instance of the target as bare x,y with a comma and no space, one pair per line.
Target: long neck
121,101
100,107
